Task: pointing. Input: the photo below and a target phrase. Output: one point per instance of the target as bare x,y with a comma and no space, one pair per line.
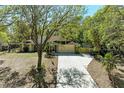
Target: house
61,45
55,44
27,46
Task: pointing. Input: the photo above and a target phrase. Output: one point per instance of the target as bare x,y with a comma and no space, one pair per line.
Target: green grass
27,55
23,55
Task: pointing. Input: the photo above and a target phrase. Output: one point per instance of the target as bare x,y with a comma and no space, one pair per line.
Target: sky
92,9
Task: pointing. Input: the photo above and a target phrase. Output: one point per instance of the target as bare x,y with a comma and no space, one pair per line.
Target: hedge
85,50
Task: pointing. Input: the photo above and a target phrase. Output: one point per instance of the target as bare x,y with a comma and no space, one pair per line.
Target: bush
99,57
83,50
77,49
26,49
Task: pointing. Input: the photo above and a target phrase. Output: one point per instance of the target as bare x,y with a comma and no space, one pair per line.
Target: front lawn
19,65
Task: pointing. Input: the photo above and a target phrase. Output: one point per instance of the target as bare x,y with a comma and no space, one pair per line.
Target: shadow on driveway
73,78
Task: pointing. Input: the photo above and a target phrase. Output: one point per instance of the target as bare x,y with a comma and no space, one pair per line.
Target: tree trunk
39,61
39,68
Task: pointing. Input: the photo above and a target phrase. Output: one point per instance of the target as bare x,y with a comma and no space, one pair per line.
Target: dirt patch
14,72
1,62
51,65
99,74
118,77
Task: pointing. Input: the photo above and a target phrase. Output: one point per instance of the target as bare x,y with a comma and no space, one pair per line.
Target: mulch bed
99,74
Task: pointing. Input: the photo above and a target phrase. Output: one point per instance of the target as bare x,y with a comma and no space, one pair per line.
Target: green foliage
39,23
105,30
109,62
91,34
4,37
21,31
84,50
105,27
72,30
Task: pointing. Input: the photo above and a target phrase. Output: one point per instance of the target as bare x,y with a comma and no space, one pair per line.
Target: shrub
26,49
83,50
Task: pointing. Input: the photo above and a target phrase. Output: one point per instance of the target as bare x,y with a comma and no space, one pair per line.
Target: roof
53,38
56,38
28,41
73,43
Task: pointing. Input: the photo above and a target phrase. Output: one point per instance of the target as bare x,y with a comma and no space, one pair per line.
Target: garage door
66,48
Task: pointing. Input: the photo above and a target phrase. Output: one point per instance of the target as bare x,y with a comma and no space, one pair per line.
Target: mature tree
105,28
114,33
43,22
3,37
6,19
71,30
3,34
20,31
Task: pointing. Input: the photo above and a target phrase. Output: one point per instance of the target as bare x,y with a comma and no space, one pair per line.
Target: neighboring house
27,46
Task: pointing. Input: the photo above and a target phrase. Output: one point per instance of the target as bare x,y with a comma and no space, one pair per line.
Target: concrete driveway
72,71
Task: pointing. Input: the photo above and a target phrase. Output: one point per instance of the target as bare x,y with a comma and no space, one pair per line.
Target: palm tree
110,61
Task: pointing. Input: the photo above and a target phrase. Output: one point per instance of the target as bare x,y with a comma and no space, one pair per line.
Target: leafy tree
3,34
43,22
20,31
114,38
71,31
3,37
109,61
92,34
105,28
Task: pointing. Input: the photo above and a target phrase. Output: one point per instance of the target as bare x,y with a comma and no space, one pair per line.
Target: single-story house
54,44
61,45
27,46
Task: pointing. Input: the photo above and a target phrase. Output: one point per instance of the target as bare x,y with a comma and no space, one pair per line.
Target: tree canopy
105,27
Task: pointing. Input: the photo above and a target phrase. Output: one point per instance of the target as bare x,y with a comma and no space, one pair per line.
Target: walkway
72,71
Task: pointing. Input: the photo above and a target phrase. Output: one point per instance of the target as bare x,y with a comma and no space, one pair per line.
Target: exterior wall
66,48
31,47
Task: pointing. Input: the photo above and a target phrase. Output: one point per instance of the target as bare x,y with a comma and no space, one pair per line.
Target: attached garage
66,48
61,45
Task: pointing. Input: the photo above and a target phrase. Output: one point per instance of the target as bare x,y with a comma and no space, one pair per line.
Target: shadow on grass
1,62
37,78
11,79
